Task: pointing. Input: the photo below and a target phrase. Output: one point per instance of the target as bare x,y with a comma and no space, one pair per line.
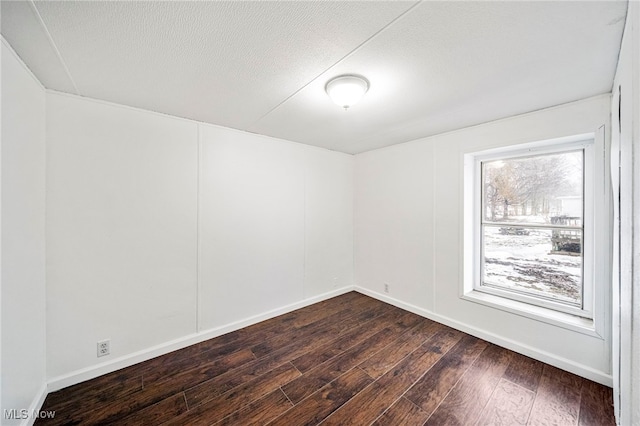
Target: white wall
23,237
121,230
634,11
408,227
252,225
162,231
328,221
275,221
394,224
626,290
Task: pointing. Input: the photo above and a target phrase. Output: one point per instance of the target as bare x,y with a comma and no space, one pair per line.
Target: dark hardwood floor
347,360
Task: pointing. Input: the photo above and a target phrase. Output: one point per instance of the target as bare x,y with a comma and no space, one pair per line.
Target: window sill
549,316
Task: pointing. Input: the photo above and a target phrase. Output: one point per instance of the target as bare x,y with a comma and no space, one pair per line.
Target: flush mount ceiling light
346,90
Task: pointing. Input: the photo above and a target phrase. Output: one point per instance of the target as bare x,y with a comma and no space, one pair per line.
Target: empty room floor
347,360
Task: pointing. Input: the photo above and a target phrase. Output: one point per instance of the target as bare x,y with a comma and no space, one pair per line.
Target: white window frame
586,147
587,319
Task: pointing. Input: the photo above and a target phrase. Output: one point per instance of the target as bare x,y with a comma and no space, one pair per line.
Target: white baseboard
546,357
82,375
88,373
35,406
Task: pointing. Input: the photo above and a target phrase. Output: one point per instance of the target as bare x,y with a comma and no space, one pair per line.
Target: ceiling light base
346,90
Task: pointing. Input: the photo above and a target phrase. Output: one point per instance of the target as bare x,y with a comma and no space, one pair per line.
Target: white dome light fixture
346,90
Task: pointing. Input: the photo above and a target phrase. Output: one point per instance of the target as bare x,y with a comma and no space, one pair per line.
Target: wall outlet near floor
335,282
386,287
104,347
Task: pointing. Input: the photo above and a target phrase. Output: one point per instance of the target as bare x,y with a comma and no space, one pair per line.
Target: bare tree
530,182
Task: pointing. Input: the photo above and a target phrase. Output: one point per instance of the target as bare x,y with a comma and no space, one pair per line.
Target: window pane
543,189
539,262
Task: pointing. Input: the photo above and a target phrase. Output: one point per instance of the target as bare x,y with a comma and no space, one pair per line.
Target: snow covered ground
523,262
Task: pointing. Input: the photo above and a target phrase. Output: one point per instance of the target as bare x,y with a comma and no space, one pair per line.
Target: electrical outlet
335,282
104,347
386,287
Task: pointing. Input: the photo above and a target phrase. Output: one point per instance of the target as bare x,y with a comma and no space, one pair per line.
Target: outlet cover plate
104,347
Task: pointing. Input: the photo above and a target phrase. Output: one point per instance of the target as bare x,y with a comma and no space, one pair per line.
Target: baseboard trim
89,373
560,362
36,406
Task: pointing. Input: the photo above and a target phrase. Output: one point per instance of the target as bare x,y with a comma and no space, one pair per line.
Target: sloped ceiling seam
53,46
353,51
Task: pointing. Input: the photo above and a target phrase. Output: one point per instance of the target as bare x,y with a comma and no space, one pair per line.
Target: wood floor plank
474,389
557,400
347,304
509,405
308,314
259,412
325,401
364,407
208,350
216,409
371,402
415,365
118,408
253,334
596,405
82,398
380,318
330,307
157,413
364,311
236,377
347,360
297,347
560,376
343,342
384,360
403,320
316,378
165,371
524,371
403,412
430,390
162,366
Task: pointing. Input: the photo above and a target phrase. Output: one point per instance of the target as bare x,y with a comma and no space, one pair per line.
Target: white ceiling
262,66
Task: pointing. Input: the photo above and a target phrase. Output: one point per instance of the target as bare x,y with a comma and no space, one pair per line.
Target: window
531,220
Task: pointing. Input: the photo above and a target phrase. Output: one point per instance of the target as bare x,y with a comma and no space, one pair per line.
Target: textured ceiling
262,66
